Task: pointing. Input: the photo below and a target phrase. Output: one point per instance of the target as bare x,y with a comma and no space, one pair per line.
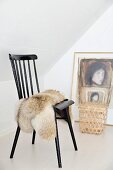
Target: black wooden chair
23,66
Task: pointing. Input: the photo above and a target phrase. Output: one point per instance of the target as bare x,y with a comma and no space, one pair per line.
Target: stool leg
33,138
15,142
71,129
57,145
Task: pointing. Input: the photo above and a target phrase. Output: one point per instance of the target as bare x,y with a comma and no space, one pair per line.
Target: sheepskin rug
36,112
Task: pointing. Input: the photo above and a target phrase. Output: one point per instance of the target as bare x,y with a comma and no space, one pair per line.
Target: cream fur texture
36,112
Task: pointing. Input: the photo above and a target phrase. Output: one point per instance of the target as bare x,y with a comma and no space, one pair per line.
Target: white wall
98,38
8,98
47,28
8,101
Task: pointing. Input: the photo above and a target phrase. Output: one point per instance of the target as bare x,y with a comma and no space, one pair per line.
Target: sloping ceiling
47,28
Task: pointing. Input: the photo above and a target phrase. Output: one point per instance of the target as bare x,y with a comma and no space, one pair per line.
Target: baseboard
7,131
7,128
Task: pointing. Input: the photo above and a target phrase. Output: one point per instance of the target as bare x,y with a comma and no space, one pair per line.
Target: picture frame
95,72
94,94
76,83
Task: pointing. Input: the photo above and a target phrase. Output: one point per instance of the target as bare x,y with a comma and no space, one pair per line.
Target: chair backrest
24,68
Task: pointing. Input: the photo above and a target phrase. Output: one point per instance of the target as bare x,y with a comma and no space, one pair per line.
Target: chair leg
58,152
33,138
71,129
57,145
15,142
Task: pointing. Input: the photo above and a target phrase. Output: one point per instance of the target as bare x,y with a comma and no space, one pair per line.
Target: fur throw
36,112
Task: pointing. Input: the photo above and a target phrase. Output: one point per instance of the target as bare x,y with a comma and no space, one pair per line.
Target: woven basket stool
92,117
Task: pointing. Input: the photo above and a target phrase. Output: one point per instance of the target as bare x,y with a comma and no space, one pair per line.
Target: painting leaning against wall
93,70
95,73
92,79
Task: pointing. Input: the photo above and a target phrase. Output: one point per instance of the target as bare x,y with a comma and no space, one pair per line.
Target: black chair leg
71,129
58,152
57,145
33,138
15,142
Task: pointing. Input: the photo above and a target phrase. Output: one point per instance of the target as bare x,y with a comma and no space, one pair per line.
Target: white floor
95,152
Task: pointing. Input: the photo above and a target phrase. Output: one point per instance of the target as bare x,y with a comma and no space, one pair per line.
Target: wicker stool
92,117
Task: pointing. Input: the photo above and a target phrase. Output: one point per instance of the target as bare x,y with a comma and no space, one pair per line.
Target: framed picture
92,70
95,72
94,94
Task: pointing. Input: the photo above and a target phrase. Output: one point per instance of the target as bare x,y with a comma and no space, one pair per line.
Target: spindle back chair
23,67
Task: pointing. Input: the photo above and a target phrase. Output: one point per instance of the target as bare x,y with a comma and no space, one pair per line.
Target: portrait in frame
94,94
84,66
95,73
